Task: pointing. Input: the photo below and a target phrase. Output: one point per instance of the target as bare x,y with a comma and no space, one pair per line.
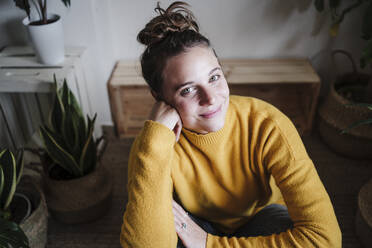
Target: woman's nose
207,96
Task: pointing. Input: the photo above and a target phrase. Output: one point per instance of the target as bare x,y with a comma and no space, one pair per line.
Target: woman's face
194,84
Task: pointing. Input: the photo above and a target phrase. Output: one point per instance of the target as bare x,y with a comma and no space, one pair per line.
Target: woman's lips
211,114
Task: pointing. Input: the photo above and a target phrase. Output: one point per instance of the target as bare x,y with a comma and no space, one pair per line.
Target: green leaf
358,123
367,22
64,94
12,236
19,164
58,111
66,3
366,57
8,164
89,155
1,181
23,4
59,155
319,5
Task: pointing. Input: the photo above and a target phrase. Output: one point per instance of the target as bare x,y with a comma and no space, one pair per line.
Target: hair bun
176,18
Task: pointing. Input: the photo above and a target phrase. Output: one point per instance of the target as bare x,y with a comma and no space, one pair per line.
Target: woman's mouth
211,114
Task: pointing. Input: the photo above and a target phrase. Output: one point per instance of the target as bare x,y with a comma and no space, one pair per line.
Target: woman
231,163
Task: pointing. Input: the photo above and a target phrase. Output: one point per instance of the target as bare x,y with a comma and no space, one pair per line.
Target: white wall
237,29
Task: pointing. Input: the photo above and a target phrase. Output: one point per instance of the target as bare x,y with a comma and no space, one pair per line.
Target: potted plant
11,235
45,30
337,112
77,186
21,202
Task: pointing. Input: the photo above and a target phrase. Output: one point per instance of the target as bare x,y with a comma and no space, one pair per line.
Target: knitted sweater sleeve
281,153
148,219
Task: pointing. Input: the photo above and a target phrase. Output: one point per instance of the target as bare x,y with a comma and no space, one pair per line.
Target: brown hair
170,33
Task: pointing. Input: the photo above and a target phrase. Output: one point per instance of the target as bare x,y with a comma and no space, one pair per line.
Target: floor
341,176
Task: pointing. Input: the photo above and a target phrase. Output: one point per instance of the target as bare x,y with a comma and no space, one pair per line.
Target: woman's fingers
168,116
188,231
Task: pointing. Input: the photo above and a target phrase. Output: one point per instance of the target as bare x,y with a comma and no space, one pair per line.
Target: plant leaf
8,165
19,164
58,111
59,155
25,5
1,182
366,57
67,3
12,236
358,123
89,155
319,5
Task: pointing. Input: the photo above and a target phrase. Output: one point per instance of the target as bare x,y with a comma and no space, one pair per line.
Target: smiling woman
213,170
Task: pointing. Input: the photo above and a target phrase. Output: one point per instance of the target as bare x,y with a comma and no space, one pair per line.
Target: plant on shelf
11,234
78,188
338,12
40,8
45,30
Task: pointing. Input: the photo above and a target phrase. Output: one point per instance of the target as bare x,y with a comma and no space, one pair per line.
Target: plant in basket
343,106
22,206
78,187
11,234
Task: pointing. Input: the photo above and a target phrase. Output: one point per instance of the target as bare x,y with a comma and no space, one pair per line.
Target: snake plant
10,173
11,235
68,139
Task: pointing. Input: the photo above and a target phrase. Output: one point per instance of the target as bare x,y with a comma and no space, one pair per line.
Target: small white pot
47,40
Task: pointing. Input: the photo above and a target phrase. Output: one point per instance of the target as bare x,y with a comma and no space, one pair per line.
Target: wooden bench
291,85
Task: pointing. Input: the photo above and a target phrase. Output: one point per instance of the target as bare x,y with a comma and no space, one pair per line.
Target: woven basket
36,225
337,113
363,220
79,200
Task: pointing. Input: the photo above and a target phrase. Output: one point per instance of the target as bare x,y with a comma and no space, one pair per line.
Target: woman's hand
192,235
168,116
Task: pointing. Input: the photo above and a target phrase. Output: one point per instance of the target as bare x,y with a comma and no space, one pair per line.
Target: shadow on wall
16,32
278,12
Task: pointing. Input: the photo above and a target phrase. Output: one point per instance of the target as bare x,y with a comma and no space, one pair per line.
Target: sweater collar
212,137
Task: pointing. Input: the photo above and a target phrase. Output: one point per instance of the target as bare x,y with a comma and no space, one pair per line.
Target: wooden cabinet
291,85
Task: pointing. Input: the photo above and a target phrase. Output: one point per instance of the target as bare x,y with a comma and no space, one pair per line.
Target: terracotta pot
79,200
35,226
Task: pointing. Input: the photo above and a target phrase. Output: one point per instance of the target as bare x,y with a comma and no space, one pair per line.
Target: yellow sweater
226,177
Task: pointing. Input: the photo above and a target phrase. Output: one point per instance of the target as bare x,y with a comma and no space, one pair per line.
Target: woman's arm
148,219
282,154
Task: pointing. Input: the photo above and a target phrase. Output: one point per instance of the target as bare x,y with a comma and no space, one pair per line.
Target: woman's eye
186,91
214,78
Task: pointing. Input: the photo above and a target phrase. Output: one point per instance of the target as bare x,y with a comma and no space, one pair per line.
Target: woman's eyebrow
213,70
